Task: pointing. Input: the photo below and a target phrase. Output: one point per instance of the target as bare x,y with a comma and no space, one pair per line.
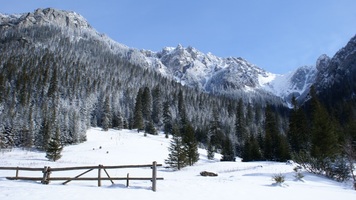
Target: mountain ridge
188,66
58,78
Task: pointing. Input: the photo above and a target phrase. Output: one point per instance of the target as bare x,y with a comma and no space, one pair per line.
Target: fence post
99,175
17,172
127,180
45,176
48,175
154,175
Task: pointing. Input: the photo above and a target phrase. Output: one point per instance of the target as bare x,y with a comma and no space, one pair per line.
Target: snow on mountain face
338,68
47,16
72,25
229,75
188,66
296,83
207,71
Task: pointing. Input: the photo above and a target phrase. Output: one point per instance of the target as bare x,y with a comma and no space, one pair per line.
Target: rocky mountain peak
48,16
322,62
339,70
186,65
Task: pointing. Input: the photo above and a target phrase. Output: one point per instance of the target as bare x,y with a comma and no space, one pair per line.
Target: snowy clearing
235,180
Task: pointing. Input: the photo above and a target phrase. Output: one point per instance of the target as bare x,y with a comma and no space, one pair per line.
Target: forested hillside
58,76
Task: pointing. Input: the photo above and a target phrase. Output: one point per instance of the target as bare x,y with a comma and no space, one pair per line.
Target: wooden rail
47,171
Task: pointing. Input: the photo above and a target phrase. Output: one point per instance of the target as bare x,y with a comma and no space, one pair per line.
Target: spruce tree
282,149
323,156
227,152
106,121
210,151
191,145
118,121
150,128
324,137
167,119
138,116
183,119
146,100
298,136
156,105
44,136
275,145
251,150
54,148
53,87
215,133
255,149
177,158
240,127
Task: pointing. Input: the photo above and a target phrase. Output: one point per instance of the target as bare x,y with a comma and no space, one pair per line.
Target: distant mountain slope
338,74
294,84
207,71
57,73
234,77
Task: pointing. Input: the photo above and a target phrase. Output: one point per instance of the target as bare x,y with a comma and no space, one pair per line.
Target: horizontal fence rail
47,171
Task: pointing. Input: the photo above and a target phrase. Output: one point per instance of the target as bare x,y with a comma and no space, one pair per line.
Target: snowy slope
295,83
72,25
207,72
236,180
232,76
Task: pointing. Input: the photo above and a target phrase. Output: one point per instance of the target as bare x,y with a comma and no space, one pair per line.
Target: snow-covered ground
235,180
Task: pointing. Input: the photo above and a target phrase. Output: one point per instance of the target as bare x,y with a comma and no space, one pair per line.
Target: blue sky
276,35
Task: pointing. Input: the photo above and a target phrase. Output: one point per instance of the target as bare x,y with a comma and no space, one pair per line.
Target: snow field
235,180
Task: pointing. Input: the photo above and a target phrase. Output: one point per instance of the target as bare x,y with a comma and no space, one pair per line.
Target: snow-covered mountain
231,76
207,71
295,83
72,25
340,69
228,75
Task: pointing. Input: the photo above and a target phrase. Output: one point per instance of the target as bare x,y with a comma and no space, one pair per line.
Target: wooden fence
47,171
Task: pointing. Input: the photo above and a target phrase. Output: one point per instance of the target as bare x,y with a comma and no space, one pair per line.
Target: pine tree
215,133
191,145
44,136
138,116
150,128
53,87
156,105
251,150
240,127
298,137
275,146
55,148
167,119
107,117
324,137
118,122
323,156
177,154
282,150
210,151
228,150
256,154
183,119
146,104
74,127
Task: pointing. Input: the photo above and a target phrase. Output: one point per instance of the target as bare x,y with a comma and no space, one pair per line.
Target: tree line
55,87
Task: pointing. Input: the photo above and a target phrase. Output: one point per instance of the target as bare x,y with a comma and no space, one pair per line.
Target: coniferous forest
57,83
